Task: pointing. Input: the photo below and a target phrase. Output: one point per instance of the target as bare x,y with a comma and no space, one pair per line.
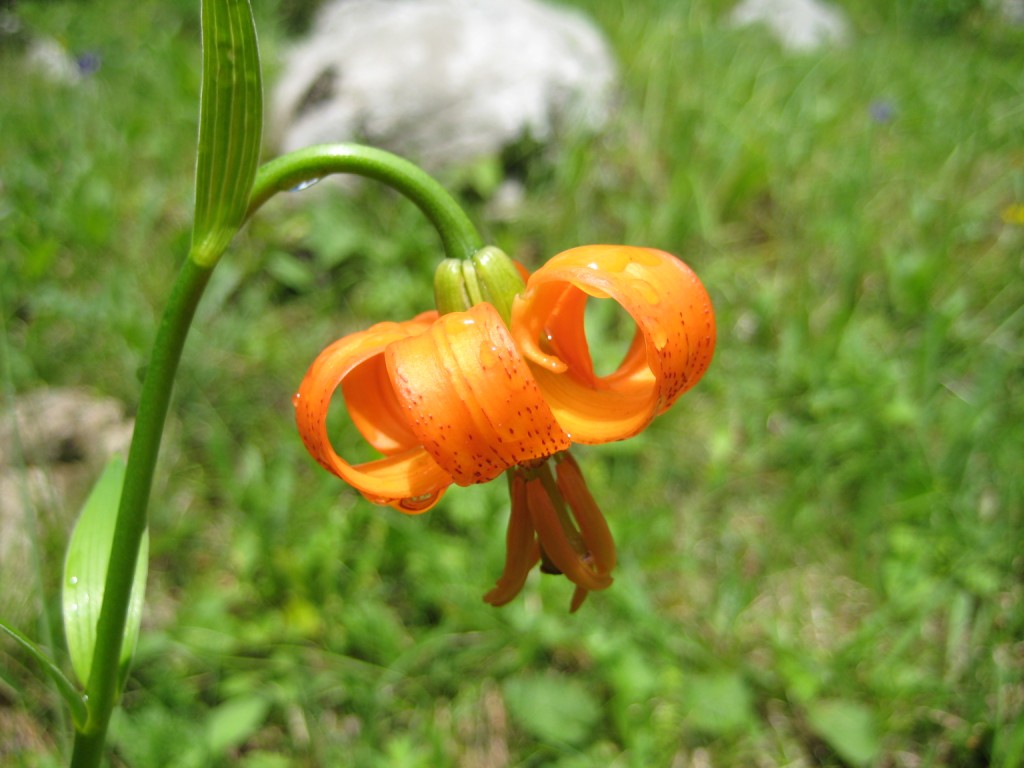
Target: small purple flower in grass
88,63
882,111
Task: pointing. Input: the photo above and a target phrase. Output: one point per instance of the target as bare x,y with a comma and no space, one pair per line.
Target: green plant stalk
460,239
305,166
103,687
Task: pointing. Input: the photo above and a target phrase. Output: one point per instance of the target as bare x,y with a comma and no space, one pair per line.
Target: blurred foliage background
820,546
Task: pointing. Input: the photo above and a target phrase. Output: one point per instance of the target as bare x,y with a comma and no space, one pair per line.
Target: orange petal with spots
672,349
406,478
469,397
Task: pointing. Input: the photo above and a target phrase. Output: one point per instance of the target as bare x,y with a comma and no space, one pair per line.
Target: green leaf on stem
85,574
65,687
230,126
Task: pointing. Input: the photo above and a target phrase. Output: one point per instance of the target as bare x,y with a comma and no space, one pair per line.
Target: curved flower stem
104,679
305,166
460,240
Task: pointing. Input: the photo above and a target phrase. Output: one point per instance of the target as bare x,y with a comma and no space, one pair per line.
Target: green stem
460,238
103,686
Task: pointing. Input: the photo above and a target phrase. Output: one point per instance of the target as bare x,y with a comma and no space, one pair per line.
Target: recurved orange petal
469,397
380,419
673,347
407,478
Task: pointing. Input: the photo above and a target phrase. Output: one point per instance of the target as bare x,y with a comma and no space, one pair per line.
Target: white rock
63,426
53,61
442,81
800,25
53,444
1012,11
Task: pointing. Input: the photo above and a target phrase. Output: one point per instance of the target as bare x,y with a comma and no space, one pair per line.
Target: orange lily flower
462,398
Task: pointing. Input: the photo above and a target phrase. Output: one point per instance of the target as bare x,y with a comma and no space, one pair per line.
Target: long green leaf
66,688
85,574
230,126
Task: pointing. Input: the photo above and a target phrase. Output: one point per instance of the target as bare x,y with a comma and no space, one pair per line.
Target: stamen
594,528
558,537
546,566
522,550
578,596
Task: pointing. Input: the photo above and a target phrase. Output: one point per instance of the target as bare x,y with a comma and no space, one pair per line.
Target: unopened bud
488,275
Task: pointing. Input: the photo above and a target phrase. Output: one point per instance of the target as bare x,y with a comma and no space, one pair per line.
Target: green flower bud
488,275
499,280
451,288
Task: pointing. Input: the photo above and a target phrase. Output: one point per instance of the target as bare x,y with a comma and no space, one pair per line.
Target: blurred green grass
820,545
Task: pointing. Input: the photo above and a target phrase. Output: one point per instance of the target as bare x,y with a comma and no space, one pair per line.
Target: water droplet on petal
647,292
614,261
488,354
658,335
419,503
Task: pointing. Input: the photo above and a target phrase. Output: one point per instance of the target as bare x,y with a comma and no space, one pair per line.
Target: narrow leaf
65,687
85,574
230,126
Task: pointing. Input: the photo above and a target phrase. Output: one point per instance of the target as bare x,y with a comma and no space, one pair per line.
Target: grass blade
65,687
